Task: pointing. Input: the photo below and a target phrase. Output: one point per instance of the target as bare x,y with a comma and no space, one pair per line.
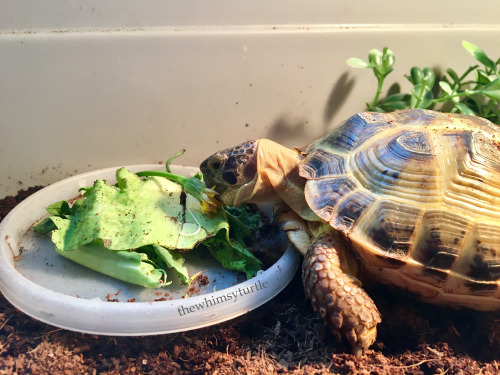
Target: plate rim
58,309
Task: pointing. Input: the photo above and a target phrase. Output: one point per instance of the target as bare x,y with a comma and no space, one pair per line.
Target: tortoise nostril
230,178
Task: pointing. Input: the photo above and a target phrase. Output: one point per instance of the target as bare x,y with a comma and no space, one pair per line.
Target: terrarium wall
86,85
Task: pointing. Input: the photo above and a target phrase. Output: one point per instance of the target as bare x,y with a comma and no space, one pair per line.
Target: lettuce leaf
134,227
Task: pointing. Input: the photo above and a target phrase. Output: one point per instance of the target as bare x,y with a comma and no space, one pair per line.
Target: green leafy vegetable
234,257
130,231
247,217
192,185
475,92
173,260
130,266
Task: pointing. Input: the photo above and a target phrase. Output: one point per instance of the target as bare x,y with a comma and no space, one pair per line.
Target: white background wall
92,84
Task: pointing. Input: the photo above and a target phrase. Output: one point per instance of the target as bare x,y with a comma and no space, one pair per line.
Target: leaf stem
174,156
471,68
379,91
419,97
455,95
168,175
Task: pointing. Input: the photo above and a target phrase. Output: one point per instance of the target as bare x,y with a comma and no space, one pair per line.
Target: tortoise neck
278,177
276,167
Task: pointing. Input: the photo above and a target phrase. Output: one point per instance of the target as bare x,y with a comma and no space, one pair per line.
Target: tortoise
409,199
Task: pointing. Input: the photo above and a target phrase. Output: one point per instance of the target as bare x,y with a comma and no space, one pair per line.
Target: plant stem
456,95
170,159
168,175
419,97
471,68
379,91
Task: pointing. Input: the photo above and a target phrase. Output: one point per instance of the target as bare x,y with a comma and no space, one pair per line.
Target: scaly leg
337,296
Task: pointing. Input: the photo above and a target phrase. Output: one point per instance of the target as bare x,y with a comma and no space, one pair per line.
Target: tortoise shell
417,193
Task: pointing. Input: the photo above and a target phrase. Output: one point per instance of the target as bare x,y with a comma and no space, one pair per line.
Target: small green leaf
45,226
464,109
428,77
479,55
355,62
376,109
388,60
421,96
416,75
76,206
455,99
87,190
375,58
394,106
425,76
483,78
395,102
232,255
492,89
396,98
242,223
475,104
60,208
453,75
174,260
445,86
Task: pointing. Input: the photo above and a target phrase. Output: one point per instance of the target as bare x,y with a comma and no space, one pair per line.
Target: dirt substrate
283,336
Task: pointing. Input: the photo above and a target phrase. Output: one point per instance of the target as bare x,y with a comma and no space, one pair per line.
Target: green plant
475,92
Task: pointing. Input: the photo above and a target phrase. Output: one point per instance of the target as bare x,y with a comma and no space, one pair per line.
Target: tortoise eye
216,165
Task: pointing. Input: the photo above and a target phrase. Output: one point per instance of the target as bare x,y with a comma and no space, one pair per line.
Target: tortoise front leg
337,296
294,226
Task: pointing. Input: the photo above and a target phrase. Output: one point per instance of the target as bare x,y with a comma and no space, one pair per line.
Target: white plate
50,288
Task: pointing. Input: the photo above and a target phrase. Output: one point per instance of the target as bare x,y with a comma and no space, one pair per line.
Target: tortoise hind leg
336,296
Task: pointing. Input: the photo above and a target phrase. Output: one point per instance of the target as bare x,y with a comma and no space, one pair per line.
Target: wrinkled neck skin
277,179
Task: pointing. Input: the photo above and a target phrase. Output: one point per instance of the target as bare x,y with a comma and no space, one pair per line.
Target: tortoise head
254,172
232,172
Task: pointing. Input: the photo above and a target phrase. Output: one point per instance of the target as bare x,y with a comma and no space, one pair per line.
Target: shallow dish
53,289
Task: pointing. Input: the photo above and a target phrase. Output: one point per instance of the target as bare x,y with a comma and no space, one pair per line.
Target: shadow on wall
285,129
339,94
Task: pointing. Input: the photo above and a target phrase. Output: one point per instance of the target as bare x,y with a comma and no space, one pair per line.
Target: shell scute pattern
328,193
354,132
391,227
396,165
485,257
441,238
474,183
350,209
414,190
324,163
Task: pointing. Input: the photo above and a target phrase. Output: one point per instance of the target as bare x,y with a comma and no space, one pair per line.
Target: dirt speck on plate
284,336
